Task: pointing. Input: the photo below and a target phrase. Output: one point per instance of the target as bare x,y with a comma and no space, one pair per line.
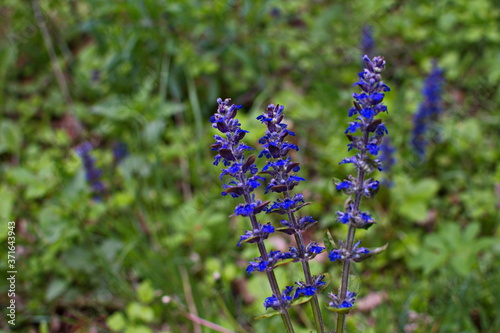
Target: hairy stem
285,316
318,318
350,236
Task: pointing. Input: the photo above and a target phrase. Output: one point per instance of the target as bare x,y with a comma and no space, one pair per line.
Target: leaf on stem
372,253
339,311
301,300
269,314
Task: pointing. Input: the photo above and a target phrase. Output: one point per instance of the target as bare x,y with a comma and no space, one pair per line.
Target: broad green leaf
6,205
117,321
415,211
79,259
10,136
138,329
56,288
145,291
52,224
141,312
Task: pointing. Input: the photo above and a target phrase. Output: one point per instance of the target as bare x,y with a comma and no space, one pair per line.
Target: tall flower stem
231,152
273,282
283,179
346,269
345,278
318,318
367,105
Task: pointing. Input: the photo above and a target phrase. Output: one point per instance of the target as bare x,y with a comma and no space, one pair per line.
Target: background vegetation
159,248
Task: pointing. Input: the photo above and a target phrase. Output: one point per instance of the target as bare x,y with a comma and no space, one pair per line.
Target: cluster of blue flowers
428,111
387,151
342,303
92,173
365,134
120,151
244,179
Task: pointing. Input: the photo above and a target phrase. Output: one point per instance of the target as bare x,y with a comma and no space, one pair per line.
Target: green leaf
79,259
372,253
117,321
153,131
269,315
354,283
137,311
138,329
284,262
145,292
21,176
415,211
249,240
301,300
424,189
10,137
55,289
44,327
328,240
52,225
471,232
110,248
6,205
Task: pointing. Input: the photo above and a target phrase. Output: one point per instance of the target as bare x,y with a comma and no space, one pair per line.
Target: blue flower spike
242,173
365,134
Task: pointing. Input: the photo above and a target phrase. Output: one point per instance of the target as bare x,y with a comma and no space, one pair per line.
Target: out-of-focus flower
429,111
92,173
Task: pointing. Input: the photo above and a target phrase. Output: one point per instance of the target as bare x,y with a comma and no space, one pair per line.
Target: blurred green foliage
160,245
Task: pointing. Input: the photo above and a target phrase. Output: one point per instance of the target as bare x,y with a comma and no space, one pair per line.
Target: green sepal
269,314
372,253
339,311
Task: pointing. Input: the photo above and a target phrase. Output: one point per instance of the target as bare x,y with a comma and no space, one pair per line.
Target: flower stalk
365,134
367,106
231,151
283,179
